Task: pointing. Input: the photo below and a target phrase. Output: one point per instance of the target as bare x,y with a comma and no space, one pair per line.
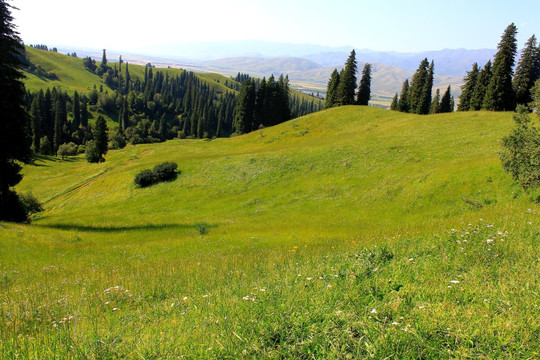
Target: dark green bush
165,171
30,203
145,178
162,172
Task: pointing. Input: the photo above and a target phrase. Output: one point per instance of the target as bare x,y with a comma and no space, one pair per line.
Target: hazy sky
399,25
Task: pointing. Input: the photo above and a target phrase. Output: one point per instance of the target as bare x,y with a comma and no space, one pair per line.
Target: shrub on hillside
145,178
161,172
165,171
521,151
30,203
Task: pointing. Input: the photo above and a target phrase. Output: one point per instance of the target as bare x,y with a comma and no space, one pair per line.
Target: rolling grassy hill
349,233
71,75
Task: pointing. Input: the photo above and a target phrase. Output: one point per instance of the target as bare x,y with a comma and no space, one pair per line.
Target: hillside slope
358,162
349,233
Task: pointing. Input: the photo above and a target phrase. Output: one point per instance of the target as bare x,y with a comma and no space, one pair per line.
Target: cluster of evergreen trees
158,107
261,103
416,97
43,47
495,86
341,89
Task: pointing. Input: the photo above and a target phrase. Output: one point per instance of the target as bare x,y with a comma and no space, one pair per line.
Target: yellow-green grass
350,233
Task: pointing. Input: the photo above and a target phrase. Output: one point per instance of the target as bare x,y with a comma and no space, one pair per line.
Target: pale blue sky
399,25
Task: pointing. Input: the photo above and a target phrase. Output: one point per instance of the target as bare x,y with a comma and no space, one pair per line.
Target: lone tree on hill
364,91
500,94
14,142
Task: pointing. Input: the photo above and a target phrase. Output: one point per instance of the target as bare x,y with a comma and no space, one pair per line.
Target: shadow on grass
119,229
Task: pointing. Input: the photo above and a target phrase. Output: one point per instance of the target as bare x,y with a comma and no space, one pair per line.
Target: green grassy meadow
350,233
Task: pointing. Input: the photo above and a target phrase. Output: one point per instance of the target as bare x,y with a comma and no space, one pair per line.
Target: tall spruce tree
347,81
76,111
446,104
435,103
427,89
404,102
245,106
416,90
14,142
35,116
100,137
500,94
332,90
479,92
394,104
527,72
468,88
364,90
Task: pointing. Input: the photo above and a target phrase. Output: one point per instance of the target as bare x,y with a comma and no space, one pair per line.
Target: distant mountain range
308,66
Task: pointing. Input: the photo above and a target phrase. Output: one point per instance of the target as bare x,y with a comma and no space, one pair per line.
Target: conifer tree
84,114
260,104
479,92
404,102
347,81
500,94
76,111
14,142
394,104
446,101
527,72
332,90
244,111
364,90
435,104
104,65
468,88
59,116
35,116
425,99
100,137
416,89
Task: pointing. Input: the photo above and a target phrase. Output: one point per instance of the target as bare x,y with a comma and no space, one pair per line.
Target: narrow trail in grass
92,178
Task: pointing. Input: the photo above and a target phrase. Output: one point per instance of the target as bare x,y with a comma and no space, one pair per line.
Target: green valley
353,232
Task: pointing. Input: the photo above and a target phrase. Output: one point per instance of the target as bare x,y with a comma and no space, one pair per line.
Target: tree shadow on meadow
119,229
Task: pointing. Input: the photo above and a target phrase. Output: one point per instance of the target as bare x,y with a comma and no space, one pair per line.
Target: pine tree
527,72
332,90
100,137
76,111
404,102
435,104
446,101
260,104
35,116
59,116
479,92
425,99
394,104
500,94
14,142
104,65
416,89
84,114
347,81
244,111
468,88
364,90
